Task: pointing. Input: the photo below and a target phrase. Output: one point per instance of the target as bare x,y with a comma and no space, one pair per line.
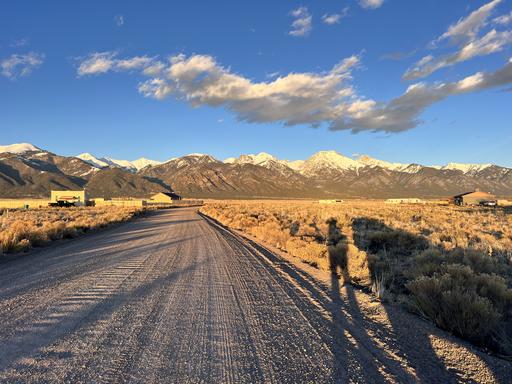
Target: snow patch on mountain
92,160
370,161
259,159
143,163
328,161
103,162
294,164
466,168
19,148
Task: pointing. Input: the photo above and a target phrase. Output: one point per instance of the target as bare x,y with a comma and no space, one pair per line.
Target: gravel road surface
175,298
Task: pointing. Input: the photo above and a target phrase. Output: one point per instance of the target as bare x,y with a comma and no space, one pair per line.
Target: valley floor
173,297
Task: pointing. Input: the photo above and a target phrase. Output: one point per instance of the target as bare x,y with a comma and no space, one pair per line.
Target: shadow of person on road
345,308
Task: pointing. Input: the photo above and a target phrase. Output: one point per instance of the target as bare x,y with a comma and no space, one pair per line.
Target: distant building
413,200
165,197
330,201
473,198
77,198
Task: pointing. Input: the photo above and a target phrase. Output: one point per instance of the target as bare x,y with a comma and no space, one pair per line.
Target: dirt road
174,298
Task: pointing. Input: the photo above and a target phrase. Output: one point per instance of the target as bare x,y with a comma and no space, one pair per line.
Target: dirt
175,298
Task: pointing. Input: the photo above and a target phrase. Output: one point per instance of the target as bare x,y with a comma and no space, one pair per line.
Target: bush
475,307
396,242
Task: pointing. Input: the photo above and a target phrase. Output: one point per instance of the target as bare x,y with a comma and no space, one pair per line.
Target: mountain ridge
28,170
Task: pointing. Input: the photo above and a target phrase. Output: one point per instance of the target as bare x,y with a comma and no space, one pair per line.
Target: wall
21,203
119,203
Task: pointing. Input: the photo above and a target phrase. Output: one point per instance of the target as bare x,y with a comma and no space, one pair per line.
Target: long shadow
90,251
338,262
59,323
113,234
90,261
399,247
351,361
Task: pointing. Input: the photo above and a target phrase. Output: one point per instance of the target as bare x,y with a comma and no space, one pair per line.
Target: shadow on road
61,319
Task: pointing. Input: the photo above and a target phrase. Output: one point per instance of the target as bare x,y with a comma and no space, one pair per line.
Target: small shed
473,198
165,197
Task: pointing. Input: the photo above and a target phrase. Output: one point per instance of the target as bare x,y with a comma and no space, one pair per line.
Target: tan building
473,198
78,198
165,197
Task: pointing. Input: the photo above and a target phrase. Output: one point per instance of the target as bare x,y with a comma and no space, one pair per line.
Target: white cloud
402,113
325,98
334,18
492,42
134,63
467,28
371,4
22,65
119,20
102,62
470,44
303,23
503,20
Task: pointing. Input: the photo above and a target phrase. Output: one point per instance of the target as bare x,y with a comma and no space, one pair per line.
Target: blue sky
400,80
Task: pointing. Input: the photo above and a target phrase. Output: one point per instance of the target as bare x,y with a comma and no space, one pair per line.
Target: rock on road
175,298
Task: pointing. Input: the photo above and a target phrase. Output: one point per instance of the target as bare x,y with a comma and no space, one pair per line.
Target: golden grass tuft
21,230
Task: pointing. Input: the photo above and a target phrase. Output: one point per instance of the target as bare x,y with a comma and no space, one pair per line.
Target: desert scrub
451,264
22,229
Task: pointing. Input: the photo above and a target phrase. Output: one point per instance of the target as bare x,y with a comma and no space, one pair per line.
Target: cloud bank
326,98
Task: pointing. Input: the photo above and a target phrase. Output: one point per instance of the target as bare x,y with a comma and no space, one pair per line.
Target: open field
21,230
172,297
449,264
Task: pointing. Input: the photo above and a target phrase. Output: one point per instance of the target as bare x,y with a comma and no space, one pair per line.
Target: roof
169,194
475,194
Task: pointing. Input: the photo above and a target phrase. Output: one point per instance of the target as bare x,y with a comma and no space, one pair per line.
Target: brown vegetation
452,265
21,230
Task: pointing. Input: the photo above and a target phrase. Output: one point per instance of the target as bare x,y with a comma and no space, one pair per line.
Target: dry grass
21,230
450,264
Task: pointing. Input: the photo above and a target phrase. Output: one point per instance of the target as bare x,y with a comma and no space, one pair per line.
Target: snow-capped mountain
143,163
326,173
103,162
370,161
263,160
92,160
259,159
323,162
19,148
326,162
466,168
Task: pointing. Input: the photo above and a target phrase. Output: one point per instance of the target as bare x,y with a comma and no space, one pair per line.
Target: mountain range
26,170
